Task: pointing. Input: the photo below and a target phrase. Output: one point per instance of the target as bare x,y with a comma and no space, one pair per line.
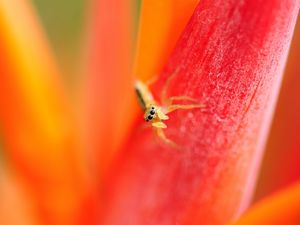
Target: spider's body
155,113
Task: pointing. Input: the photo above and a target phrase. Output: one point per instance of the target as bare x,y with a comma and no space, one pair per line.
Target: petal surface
281,165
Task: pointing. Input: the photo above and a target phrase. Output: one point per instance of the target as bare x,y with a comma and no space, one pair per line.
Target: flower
93,163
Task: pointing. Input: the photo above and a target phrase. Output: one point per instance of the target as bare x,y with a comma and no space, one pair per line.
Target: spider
157,114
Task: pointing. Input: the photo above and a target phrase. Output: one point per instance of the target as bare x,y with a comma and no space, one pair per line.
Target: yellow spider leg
183,97
172,108
178,98
161,134
152,80
164,98
159,125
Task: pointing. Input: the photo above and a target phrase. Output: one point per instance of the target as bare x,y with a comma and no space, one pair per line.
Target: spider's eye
152,107
152,112
149,117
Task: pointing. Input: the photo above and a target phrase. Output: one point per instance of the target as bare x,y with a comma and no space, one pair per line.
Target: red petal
281,164
107,79
230,57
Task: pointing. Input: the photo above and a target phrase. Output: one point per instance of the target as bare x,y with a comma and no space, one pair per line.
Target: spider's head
150,113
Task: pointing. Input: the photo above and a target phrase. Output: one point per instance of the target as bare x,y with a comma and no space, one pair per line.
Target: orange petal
37,125
161,24
281,208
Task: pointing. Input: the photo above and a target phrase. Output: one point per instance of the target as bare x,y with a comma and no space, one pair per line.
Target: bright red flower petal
281,165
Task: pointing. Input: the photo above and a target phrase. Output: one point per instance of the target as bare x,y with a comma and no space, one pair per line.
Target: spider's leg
164,98
180,98
172,108
161,134
151,81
